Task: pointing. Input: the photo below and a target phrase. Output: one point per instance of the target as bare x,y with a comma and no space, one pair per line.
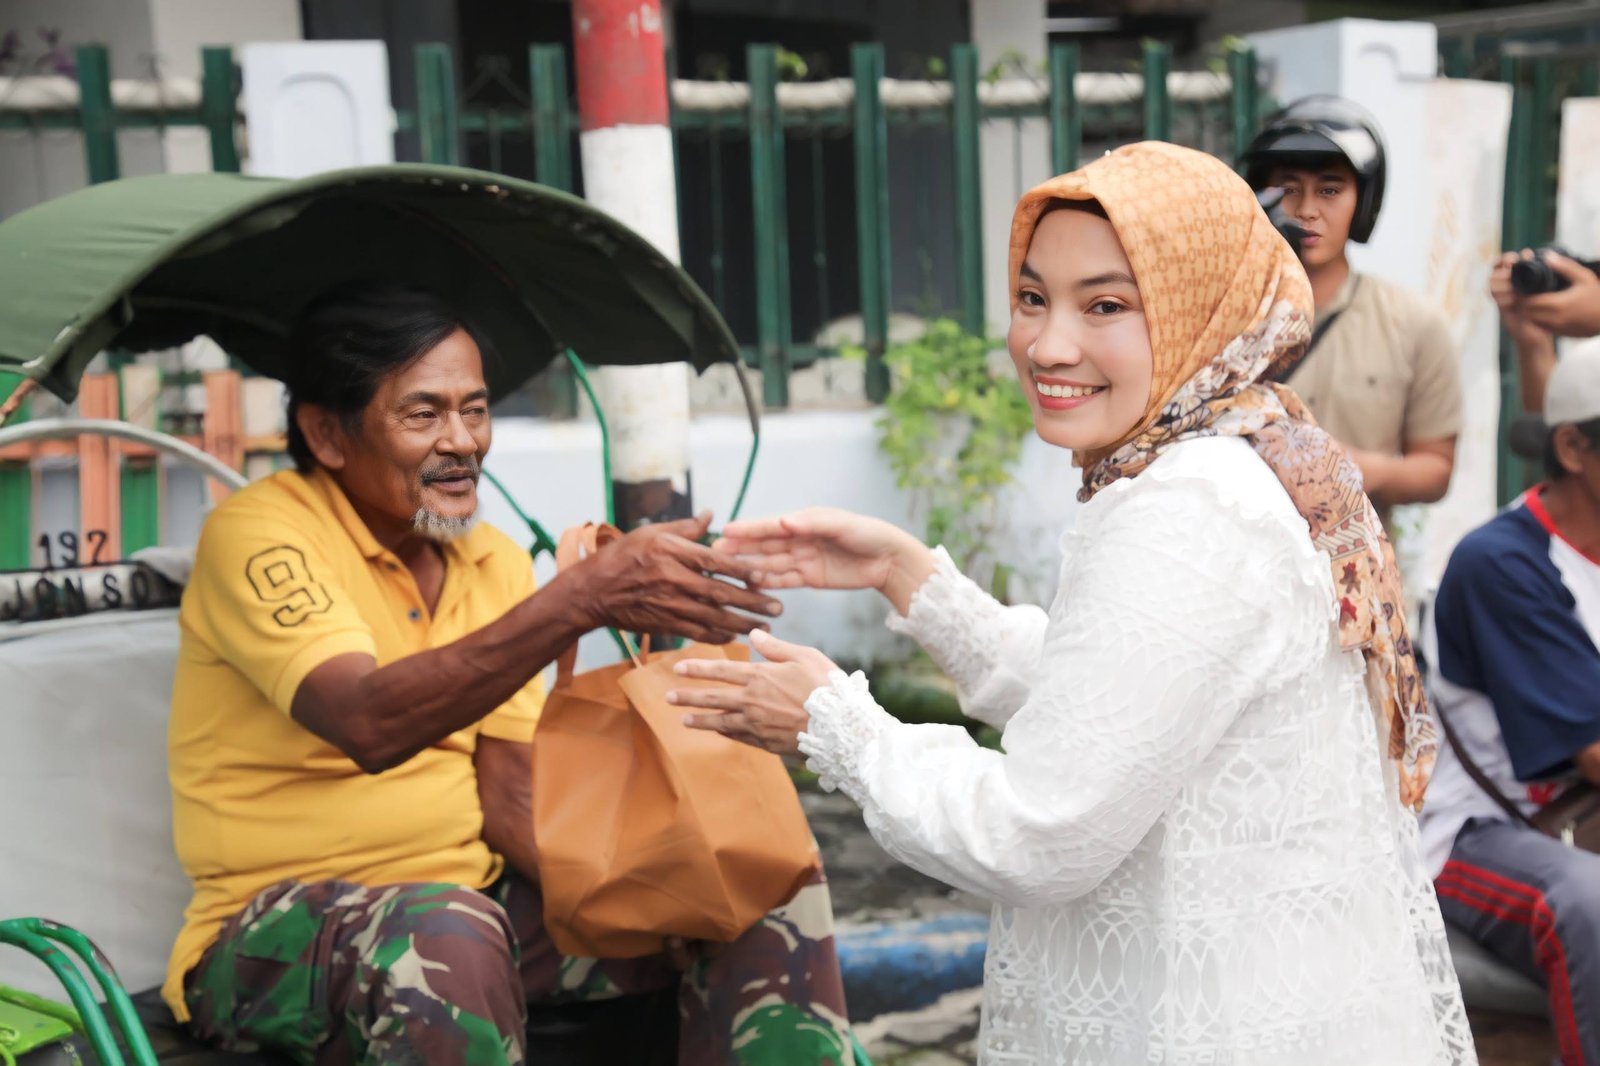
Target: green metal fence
768,136
98,121
794,202
838,150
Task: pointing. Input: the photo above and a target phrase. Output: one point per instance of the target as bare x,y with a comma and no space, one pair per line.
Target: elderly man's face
422,440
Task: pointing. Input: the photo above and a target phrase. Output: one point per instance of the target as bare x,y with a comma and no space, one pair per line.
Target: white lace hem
845,722
951,617
989,650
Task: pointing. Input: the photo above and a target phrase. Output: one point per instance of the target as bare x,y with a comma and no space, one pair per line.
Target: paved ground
942,1035
870,886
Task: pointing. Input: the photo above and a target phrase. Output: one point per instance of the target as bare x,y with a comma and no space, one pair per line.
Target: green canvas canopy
151,262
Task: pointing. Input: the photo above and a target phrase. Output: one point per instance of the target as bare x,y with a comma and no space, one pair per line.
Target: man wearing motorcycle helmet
1382,376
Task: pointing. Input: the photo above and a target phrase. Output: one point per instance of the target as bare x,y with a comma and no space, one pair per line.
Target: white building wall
182,27
146,38
1000,27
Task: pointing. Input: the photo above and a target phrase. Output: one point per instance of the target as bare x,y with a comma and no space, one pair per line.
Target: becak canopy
151,262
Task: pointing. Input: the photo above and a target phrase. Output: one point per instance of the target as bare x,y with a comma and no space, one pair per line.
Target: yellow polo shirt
287,576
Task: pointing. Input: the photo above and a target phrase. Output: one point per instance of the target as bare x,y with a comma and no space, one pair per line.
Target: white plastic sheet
85,809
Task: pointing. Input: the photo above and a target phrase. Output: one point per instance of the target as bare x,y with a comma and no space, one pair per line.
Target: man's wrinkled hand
660,579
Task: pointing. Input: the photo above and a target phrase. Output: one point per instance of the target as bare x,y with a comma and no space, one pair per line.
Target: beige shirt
1385,373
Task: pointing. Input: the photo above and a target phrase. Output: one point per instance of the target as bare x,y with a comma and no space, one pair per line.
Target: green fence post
1244,97
141,477
552,124
965,121
140,485
1588,83
872,211
771,224
16,495
1516,215
437,124
1543,109
552,166
95,114
141,505
1458,57
219,94
1066,121
1516,185
1157,104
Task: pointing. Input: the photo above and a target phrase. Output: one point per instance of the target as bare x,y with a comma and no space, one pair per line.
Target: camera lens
1533,276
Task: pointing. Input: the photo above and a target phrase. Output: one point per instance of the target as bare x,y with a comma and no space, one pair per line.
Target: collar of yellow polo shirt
287,576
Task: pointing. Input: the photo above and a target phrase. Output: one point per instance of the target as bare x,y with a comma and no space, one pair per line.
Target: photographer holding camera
1542,295
1550,290
1381,375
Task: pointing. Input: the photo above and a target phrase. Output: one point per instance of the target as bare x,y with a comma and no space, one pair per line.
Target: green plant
952,432
1013,62
792,66
1218,62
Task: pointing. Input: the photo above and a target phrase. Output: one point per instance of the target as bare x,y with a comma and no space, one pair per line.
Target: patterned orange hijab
1227,304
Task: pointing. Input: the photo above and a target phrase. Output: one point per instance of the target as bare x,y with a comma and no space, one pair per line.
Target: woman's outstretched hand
827,548
767,707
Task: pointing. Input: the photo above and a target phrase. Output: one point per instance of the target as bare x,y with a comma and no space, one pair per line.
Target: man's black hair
1553,470
351,337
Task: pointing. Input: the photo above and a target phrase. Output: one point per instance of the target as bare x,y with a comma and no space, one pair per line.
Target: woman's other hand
828,548
766,707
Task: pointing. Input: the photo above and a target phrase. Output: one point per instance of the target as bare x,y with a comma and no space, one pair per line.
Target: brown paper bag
647,829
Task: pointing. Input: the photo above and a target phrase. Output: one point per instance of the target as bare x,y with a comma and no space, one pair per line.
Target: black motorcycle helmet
1320,126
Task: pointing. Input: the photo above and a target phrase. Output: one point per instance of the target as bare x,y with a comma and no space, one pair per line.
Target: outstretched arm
1186,611
988,649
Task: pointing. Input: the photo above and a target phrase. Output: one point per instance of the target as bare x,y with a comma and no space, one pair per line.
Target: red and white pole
626,146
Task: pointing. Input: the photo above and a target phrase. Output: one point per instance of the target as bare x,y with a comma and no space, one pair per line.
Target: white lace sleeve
1180,610
989,650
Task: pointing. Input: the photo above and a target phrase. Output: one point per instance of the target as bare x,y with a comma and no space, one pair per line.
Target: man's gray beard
441,528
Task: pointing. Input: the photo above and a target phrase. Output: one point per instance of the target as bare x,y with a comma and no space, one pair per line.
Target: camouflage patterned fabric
335,973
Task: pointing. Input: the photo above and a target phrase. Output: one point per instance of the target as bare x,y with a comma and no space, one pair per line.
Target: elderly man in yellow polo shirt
356,693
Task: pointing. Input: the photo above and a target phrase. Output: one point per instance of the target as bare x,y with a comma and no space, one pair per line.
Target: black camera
1533,276
1271,201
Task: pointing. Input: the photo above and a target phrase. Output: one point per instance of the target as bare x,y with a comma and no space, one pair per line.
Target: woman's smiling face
1078,336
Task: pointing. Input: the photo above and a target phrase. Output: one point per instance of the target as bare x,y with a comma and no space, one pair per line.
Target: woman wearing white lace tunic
1199,837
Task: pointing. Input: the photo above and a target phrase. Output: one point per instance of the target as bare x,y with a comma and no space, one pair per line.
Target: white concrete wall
822,458
1578,192
36,167
311,106
182,27
998,27
1385,67
144,37
1466,157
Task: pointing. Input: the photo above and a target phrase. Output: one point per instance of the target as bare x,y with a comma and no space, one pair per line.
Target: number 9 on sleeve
280,575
